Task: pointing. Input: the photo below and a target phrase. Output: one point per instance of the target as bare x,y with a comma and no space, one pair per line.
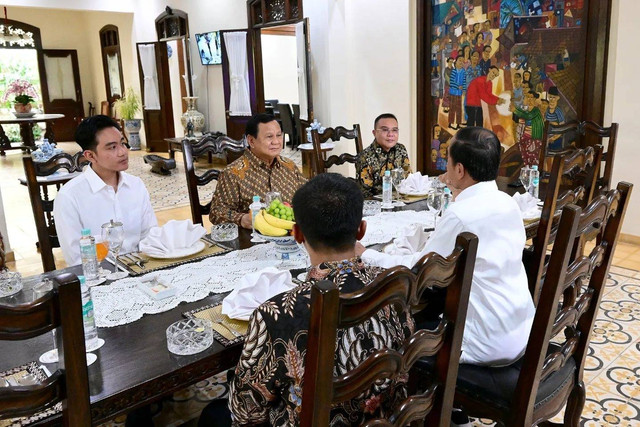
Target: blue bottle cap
86,232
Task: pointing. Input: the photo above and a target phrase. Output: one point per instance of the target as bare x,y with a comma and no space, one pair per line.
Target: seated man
501,310
268,381
103,191
384,153
260,170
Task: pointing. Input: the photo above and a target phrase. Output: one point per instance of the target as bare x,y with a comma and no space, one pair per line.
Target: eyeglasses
388,131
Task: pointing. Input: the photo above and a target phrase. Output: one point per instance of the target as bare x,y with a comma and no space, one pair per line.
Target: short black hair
328,210
493,66
254,122
486,47
89,128
383,116
478,149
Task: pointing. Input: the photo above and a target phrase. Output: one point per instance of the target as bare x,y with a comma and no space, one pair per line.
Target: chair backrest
400,287
580,167
105,108
510,163
288,126
42,202
60,308
3,260
589,133
208,144
302,134
570,298
335,134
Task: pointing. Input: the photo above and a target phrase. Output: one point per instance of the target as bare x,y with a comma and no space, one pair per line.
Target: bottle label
87,311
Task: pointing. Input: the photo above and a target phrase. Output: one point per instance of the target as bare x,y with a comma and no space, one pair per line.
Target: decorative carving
295,11
275,10
11,36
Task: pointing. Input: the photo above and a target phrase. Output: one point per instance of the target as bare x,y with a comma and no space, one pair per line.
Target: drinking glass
102,249
525,177
397,175
39,290
270,197
113,234
435,200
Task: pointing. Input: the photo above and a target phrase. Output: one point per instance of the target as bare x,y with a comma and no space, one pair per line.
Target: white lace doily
385,226
121,302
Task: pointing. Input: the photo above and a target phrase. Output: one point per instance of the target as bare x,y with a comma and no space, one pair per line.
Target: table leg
26,132
172,153
4,142
49,134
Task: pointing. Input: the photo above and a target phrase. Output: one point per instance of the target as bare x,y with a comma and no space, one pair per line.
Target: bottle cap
82,280
86,232
256,198
534,167
446,190
387,173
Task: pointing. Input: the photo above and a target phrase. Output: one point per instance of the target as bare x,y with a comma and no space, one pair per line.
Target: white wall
280,68
176,94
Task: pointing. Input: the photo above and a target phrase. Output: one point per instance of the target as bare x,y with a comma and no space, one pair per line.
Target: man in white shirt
501,310
103,191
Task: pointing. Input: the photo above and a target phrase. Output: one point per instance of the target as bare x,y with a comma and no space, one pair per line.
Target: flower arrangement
24,92
128,106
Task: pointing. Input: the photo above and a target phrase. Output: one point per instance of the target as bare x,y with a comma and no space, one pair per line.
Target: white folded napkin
172,236
528,205
254,289
413,240
415,184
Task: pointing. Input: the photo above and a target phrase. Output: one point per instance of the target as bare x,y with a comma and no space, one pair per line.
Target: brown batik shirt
268,381
372,163
249,176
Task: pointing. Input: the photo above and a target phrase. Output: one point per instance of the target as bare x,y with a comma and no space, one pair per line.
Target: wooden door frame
105,51
595,72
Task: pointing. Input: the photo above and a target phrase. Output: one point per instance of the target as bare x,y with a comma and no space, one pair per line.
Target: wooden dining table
134,367
26,131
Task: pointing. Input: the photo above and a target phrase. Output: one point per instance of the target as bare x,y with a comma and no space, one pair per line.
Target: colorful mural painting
506,65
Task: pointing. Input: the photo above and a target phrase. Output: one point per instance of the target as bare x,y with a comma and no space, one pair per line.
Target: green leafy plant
127,107
23,99
24,92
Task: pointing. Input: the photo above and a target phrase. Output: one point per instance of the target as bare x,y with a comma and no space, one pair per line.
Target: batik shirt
268,381
373,161
249,176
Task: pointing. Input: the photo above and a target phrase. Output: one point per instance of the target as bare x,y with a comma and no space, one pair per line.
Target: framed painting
509,66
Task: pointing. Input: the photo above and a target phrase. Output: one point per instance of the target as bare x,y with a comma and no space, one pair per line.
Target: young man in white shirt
103,191
501,310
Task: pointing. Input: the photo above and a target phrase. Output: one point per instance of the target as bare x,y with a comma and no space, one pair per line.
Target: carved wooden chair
207,145
580,167
288,124
3,260
302,134
398,286
334,134
549,375
589,133
510,163
60,308
39,186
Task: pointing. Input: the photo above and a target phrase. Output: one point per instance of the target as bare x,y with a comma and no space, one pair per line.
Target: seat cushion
496,385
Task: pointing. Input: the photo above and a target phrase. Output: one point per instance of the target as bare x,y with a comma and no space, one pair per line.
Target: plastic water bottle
88,255
255,209
387,200
88,320
535,181
447,198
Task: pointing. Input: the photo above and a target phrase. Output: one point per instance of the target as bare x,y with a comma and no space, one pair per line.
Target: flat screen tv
209,48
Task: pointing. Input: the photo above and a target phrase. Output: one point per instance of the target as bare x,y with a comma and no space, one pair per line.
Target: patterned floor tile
605,408
633,352
623,377
624,271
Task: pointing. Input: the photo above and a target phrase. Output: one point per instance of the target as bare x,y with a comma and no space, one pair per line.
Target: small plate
24,115
179,253
416,194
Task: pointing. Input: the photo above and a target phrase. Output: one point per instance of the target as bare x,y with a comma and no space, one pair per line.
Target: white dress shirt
88,202
501,310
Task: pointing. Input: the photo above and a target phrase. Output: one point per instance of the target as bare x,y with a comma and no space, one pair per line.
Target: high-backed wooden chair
288,125
42,201
335,134
60,308
207,145
549,375
580,167
589,133
510,163
302,134
398,286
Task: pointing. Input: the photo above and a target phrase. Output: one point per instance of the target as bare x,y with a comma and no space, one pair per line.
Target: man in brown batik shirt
260,170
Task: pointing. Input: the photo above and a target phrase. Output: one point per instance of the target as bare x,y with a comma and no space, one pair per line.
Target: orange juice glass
102,249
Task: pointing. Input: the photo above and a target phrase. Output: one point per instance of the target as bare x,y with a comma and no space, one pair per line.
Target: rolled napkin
415,184
254,289
170,237
411,242
528,205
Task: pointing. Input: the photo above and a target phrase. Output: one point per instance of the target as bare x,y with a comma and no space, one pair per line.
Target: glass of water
435,200
525,176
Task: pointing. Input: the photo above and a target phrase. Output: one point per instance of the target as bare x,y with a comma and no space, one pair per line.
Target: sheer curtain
148,62
240,101
301,47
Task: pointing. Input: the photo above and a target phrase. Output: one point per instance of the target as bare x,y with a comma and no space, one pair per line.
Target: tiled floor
612,374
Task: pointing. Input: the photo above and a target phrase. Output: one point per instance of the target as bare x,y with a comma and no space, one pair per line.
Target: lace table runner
121,302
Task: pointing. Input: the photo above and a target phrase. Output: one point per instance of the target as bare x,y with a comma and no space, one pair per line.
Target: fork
138,260
217,318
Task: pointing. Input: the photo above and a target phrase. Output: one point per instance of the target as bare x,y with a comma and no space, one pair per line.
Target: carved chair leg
575,405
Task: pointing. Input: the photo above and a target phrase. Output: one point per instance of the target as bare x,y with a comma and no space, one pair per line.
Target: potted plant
126,109
24,93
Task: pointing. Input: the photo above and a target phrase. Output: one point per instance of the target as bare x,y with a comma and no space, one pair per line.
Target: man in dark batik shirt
268,381
384,154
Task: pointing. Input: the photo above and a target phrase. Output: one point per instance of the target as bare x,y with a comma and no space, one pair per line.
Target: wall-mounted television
209,48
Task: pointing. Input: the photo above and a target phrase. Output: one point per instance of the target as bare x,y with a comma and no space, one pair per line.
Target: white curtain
240,101
301,46
148,61
60,80
113,67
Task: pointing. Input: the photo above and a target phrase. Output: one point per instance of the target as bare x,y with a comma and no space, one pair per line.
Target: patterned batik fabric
268,380
249,176
373,161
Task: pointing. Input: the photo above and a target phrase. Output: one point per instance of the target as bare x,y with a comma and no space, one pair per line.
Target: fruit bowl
286,246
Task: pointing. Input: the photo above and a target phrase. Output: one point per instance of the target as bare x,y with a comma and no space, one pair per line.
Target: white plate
179,253
24,115
97,281
416,194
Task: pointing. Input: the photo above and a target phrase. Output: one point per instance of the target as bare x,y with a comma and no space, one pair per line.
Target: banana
278,222
267,229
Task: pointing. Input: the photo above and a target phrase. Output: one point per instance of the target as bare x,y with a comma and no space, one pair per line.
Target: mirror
112,62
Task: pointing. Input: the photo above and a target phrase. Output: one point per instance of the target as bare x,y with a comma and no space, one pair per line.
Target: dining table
26,131
134,367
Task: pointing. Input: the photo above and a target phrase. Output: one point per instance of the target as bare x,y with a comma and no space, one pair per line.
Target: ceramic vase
132,127
22,108
196,117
